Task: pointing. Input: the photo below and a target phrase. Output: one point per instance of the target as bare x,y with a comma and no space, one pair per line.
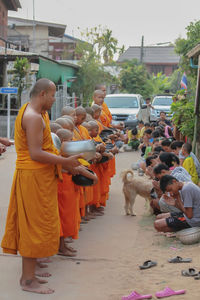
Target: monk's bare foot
83,221
91,215
33,286
69,239
42,274
66,252
70,248
98,213
44,260
101,208
41,265
41,281
87,218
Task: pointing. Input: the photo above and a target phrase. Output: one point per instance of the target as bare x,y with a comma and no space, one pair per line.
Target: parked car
124,107
161,103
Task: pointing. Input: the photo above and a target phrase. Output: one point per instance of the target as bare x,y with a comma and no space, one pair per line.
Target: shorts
177,221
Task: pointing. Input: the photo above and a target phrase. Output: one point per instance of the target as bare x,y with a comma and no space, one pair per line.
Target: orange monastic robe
68,203
32,226
81,133
107,111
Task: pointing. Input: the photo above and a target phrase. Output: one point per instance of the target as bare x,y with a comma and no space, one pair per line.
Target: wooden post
196,139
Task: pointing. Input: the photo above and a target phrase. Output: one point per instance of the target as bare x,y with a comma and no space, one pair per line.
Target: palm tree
108,44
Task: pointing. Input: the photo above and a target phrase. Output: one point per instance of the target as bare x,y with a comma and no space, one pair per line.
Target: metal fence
63,99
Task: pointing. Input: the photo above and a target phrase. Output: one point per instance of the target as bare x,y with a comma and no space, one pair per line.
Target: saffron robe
32,226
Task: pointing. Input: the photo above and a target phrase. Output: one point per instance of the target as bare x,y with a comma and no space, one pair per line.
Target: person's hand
156,184
6,142
72,162
169,200
95,180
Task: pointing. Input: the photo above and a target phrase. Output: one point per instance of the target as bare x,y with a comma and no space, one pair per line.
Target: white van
124,107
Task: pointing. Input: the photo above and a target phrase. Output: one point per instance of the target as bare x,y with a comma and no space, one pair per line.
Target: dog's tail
125,178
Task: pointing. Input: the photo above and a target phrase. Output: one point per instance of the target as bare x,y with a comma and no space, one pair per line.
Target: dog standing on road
134,186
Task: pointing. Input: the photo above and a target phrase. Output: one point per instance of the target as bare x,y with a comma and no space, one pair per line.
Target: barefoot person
32,227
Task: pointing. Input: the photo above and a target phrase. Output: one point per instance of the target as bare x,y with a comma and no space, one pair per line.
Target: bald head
98,97
80,111
65,123
96,107
89,110
93,124
62,122
67,110
54,127
98,92
42,84
64,135
68,118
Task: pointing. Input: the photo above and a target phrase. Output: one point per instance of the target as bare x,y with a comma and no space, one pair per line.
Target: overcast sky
158,20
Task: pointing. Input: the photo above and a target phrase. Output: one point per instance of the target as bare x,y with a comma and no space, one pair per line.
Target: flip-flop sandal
189,272
197,277
136,296
179,259
167,292
148,264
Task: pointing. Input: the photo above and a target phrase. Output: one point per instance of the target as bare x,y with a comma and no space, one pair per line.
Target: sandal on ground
167,292
136,296
148,264
189,272
179,259
197,277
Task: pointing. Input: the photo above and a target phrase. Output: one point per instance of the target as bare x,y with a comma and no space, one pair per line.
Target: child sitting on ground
133,142
188,162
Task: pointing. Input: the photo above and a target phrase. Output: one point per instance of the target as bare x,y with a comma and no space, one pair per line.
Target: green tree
135,79
90,73
159,83
107,45
21,76
182,47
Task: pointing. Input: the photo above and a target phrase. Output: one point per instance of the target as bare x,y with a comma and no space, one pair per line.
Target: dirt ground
110,250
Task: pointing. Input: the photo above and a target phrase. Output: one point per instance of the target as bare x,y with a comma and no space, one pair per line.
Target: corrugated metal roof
152,54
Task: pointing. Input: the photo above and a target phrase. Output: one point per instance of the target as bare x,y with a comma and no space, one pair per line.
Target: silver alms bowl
87,148
56,140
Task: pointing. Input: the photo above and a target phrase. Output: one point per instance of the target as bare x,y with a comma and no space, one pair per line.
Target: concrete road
110,249
101,247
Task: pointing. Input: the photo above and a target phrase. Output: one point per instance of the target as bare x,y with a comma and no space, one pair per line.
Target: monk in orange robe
103,168
32,226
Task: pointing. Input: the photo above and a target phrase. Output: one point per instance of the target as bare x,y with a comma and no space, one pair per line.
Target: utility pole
34,25
142,50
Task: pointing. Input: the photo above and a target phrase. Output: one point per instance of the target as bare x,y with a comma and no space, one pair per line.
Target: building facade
33,36
6,5
156,58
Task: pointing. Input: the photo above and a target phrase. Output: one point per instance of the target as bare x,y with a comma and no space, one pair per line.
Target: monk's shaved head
99,86
85,124
98,92
96,107
54,127
62,122
68,118
42,84
80,111
88,118
89,110
93,124
64,135
67,110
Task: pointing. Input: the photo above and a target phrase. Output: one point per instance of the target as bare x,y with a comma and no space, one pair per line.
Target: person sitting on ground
153,126
147,126
133,142
176,147
151,162
144,145
166,145
188,162
195,159
179,173
167,130
158,149
141,129
185,197
163,118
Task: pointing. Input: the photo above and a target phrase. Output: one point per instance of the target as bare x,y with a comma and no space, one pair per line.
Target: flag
184,82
